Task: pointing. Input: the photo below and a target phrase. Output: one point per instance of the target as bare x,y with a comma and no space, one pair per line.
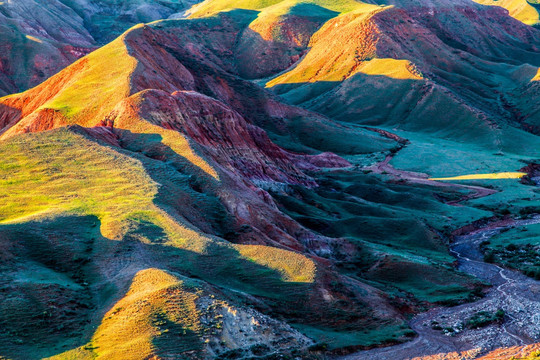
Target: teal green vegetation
516,248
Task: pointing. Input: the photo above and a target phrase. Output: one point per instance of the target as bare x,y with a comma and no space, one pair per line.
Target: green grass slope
428,68
119,184
82,231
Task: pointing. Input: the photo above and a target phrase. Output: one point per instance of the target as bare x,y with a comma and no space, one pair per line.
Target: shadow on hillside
414,106
186,191
258,58
359,99
60,276
375,100
217,76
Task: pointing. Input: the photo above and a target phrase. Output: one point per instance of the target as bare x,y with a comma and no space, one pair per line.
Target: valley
269,179
443,333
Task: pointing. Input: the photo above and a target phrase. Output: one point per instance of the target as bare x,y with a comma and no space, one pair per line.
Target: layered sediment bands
223,132
472,60
196,151
190,212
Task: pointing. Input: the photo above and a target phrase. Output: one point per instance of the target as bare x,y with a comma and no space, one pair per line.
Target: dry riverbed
507,317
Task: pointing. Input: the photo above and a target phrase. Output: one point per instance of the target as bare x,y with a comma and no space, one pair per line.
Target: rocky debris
221,126
186,108
504,322
244,333
388,134
182,109
533,174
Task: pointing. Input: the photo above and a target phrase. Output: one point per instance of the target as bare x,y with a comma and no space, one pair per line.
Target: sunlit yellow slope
64,172
61,171
276,7
343,47
536,77
127,118
46,176
272,12
521,10
81,93
85,94
155,303
492,176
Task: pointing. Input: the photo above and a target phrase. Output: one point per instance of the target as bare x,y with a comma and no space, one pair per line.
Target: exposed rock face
175,98
423,55
238,150
267,204
396,65
224,134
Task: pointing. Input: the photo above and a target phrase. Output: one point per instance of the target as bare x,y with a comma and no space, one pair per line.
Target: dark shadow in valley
186,191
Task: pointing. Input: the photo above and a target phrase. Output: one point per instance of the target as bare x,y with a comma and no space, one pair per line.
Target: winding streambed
513,292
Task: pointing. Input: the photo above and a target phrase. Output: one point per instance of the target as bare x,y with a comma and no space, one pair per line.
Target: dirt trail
516,294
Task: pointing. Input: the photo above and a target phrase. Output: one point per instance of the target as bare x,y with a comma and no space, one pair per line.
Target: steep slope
162,315
38,39
175,148
457,79
35,47
436,68
105,20
80,254
174,114
396,65
150,177
83,234
280,34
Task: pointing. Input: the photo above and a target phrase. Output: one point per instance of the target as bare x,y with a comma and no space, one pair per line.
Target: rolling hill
37,40
262,179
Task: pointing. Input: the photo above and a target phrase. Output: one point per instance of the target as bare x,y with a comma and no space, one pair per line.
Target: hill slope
38,39
157,201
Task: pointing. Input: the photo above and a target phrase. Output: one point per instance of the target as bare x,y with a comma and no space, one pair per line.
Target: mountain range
269,179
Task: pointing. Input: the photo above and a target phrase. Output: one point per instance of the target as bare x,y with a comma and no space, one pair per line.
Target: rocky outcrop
239,177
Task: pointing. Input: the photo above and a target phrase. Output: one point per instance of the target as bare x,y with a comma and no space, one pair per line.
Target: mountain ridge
253,185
